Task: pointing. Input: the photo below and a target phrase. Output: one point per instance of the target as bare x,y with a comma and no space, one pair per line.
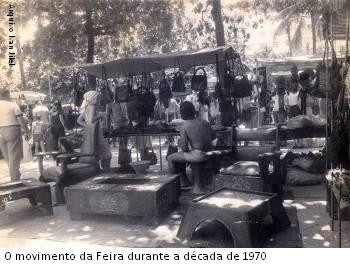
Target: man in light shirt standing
11,127
42,111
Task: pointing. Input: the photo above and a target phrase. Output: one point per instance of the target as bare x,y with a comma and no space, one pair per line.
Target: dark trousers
55,134
177,163
303,105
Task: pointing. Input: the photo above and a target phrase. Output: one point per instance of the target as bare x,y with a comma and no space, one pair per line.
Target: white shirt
293,99
173,106
204,112
276,105
43,112
8,113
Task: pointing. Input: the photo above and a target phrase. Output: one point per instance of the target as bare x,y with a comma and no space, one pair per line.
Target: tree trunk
219,25
89,31
313,30
20,59
290,53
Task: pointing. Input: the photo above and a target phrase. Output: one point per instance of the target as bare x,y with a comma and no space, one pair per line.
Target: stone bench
34,190
241,212
149,196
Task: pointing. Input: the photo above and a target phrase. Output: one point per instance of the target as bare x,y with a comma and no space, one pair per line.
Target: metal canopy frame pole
347,36
327,86
50,92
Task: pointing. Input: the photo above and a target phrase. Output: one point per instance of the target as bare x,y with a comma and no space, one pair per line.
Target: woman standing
57,125
88,118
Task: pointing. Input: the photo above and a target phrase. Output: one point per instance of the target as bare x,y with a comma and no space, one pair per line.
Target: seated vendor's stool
34,190
144,195
241,212
202,172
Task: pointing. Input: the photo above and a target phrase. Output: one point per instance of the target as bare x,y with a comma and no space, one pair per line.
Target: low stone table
241,212
34,190
147,195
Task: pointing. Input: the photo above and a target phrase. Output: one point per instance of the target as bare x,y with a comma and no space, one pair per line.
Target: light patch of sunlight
43,235
45,22
87,229
28,32
144,187
230,202
326,243
326,228
309,222
114,242
52,223
6,231
132,237
142,240
312,203
82,237
176,216
316,216
71,230
164,233
299,206
318,237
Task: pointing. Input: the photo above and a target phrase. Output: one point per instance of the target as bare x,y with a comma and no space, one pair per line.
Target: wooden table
159,135
34,190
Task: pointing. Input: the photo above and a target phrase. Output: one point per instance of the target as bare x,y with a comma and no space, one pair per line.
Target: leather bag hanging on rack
105,91
228,77
165,93
178,82
123,92
334,78
241,87
199,82
218,93
79,89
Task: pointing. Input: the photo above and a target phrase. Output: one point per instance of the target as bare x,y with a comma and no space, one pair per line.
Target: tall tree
219,25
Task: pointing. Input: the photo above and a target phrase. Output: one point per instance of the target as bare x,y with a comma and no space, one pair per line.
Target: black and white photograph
182,124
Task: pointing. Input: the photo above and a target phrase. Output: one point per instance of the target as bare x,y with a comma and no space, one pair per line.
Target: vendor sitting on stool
196,138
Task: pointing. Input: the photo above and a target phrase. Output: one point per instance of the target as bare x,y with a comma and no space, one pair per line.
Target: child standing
38,130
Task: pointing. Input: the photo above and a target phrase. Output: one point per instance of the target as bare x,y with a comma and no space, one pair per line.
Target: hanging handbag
229,77
315,107
165,93
150,155
78,91
242,88
105,91
178,82
171,150
123,92
199,82
334,78
124,157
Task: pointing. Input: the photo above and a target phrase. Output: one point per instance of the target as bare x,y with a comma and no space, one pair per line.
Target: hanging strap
217,66
86,81
199,68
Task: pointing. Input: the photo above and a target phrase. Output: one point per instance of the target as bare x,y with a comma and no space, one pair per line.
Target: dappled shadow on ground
314,219
22,221
19,220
